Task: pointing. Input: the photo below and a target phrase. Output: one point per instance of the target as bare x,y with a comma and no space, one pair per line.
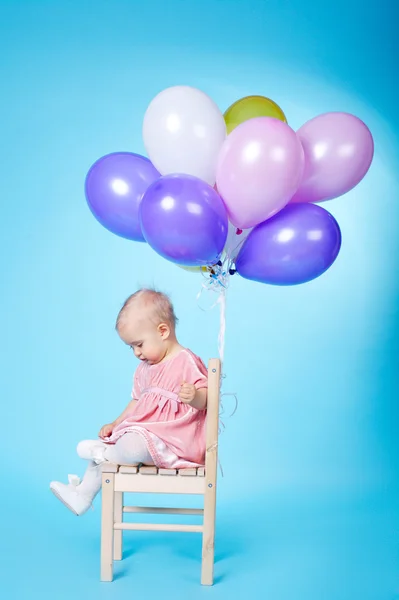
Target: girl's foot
71,496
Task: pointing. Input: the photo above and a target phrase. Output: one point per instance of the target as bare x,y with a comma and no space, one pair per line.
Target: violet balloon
114,187
295,246
184,220
338,150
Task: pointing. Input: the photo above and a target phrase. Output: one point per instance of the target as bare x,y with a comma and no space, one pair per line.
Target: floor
280,549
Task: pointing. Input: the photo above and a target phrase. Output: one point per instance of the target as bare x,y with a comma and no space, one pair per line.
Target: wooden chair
118,479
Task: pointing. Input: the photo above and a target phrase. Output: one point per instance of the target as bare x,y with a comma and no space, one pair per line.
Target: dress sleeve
194,371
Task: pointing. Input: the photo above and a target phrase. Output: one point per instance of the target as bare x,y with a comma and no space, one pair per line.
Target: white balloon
183,131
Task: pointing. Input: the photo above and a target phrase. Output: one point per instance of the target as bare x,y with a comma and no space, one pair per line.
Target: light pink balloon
338,150
259,169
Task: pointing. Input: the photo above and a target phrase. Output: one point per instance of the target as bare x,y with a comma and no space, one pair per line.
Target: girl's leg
130,449
78,496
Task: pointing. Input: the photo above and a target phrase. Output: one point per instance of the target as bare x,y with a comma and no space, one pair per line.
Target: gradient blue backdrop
308,507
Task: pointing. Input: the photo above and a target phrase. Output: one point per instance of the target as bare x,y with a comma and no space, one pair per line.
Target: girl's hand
106,430
187,392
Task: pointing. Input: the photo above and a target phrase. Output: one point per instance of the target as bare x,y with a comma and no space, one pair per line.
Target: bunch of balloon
231,192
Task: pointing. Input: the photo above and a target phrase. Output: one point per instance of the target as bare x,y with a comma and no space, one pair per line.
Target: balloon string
217,279
222,329
231,252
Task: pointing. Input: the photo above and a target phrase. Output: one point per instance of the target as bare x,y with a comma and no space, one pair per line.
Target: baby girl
164,424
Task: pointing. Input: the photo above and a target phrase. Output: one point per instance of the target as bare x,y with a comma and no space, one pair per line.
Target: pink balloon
338,149
260,167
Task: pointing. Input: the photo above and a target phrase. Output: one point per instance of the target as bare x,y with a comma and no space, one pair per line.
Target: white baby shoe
92,450
71,496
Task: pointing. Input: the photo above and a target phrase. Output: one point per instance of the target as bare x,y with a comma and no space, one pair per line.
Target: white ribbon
217,280
222,328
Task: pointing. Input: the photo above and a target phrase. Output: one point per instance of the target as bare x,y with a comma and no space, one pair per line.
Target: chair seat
151,470
150,479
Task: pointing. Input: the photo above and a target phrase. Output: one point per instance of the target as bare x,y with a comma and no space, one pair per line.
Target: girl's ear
164,330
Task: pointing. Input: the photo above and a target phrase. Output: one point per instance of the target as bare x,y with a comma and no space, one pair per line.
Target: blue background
308,506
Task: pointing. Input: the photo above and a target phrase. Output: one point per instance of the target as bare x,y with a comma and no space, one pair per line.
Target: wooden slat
211,458
163,511
167,471
147,470
108,467
118,516
128,469
201,471
124,482
107,526
191,472
158,527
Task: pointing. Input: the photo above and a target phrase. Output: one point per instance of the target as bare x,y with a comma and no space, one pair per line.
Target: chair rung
165,511
159,527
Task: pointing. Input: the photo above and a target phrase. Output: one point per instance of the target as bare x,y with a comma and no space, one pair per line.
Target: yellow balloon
194,269
249,108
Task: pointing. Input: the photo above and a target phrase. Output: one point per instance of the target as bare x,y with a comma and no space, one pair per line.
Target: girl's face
147,340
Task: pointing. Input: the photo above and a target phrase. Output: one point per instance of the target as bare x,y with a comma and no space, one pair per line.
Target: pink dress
174,431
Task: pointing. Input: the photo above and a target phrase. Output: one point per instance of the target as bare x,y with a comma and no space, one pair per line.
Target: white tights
130,449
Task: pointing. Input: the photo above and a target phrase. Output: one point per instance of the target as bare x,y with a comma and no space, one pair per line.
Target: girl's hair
159,304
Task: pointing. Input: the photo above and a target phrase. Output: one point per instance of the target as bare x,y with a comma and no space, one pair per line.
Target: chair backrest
212,418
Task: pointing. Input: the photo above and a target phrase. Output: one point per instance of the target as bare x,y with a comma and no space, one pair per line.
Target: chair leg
107,526
118,518
208,536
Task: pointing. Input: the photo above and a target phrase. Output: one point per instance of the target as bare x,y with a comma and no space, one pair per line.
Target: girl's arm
195,398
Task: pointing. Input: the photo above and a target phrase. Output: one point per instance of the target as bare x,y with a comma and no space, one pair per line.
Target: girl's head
147,323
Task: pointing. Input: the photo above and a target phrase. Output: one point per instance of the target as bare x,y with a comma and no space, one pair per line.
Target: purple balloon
338,150
184,220
295,246
114,187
